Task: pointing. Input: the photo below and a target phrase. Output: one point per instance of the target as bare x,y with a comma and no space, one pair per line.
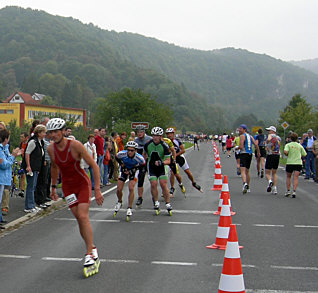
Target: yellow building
24,107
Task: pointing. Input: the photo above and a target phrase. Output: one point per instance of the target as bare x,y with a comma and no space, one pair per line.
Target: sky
283,29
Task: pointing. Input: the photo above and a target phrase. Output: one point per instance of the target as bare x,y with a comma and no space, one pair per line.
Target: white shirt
91,149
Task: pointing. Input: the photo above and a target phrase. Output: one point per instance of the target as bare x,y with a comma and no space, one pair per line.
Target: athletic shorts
131,175
182,162
245,160
157,172
228,149
292,168
237,156
262,151
272,162
223,143
141,175
77,194
173,167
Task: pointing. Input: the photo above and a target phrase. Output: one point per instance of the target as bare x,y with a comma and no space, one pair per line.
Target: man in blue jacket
310,158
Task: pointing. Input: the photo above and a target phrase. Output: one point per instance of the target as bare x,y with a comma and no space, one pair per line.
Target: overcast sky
284,29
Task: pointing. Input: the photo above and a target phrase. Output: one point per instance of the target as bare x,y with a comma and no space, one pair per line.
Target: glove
159,163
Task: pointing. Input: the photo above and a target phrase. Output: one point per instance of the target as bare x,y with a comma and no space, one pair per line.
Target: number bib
71,199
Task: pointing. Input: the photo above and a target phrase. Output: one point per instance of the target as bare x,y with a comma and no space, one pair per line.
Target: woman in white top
91,149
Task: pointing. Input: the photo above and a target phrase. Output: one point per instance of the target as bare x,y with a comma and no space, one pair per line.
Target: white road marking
119,260
105,192
91,220
174,263
304,226
267,225
184,223
295,268
151,210
62,258
15,256
145,222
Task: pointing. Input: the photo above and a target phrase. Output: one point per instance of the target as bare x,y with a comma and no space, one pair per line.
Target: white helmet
157,131
55,124
170,130
131,144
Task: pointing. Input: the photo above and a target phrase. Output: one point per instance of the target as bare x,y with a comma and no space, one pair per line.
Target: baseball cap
272,128
243,126
309,130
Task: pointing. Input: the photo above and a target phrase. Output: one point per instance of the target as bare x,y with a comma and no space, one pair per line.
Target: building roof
20,98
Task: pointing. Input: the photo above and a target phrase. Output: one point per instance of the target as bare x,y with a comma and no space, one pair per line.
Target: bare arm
54,172
182,150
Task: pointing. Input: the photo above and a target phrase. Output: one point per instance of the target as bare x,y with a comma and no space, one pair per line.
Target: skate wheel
85,273
114,214
127,218
170,213
157,212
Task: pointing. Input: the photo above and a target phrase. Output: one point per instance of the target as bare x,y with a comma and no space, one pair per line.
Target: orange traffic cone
225,192
231,279
222,232
217,185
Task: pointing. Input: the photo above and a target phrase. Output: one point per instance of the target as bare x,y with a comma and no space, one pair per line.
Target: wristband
53,186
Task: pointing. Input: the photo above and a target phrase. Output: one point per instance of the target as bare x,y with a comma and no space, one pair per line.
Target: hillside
74,63
310,64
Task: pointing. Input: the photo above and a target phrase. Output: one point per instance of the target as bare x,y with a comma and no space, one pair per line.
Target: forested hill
309,64
75,63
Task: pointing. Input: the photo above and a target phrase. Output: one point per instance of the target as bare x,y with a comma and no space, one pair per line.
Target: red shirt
228,142
99,142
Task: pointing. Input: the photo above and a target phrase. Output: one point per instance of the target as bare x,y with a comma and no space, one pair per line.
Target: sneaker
262,173
274,190
248,190
47,204
88,260
258,174
168,206
294,194
196,186
4,211
287,193
129,212
21,194
107,184
269,187
37,209
118,205
183,190
29,211
94,253
139,201
238,171
245,188
43,206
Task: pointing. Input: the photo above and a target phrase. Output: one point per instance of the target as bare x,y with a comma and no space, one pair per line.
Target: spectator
68,131
99,142
6,161
90,147
106,163
132,136
34,124
113,172
120,141
44,120
294,152
315,152
309,160
32,163
23,144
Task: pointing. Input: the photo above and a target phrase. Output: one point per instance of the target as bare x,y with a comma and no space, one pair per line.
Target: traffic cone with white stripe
231,279
222,232
225,192
217,184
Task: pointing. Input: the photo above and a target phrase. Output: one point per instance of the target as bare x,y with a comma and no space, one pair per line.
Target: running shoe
294,194
269,187
262,173
245,188
274,190
287,193
238,171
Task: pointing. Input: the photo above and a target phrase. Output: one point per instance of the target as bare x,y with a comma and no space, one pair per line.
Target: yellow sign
255,128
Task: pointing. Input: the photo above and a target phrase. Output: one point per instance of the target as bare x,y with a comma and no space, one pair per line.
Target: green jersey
295,152
156,152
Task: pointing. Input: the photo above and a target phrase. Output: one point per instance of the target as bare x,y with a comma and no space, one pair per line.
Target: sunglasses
130,150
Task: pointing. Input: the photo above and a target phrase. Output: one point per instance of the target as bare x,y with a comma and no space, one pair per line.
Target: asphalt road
167,254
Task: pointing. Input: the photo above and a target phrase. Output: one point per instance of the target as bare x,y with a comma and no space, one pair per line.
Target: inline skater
158,158
181,160
142,138
245,147
129,160
65,157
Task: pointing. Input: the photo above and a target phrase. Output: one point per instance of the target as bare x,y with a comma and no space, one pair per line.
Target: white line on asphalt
304,226
144,222
151,210
267,225
119,260
91,220
14,256
295,268
62,258
185,223
173,263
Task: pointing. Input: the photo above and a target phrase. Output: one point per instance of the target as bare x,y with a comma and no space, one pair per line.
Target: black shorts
228,149
245,160
223,143
123,176
292,168
141,175
262,151
272,162
237,156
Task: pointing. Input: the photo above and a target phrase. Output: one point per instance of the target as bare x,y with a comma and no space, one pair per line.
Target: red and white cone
231,279
222,232
217,184
225,192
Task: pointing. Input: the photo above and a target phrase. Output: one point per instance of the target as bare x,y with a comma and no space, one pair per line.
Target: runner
65,157
223,140
272,159
245,147
129,160
237,153
141,139
181,160
158,159
260,161
195,142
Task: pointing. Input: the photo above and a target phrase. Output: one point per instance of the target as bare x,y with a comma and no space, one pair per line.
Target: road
167,254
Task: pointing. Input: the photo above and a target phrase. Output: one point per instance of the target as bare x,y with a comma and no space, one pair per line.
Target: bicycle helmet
131,144
140,127
169,130
55,124
157,131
